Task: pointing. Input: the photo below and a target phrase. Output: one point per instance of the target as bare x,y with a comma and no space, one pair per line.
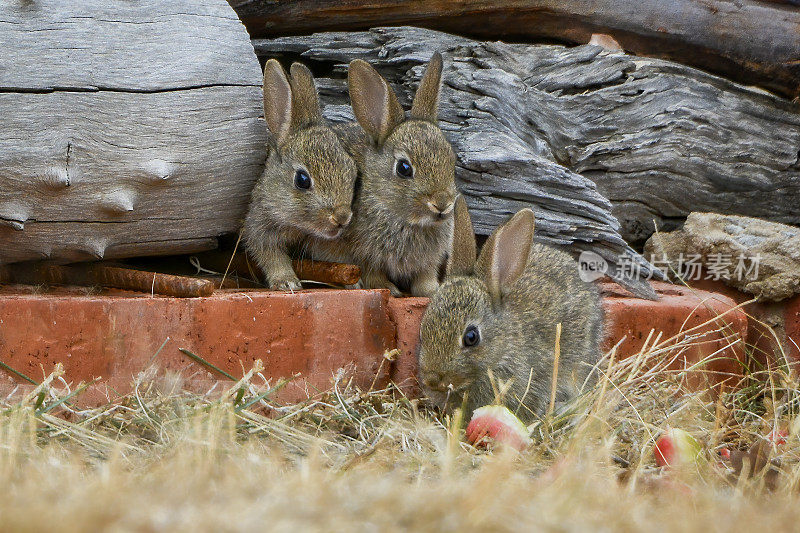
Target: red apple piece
777,436
497,423
676,447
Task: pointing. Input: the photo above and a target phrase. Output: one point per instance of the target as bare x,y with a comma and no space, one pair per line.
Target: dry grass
162,459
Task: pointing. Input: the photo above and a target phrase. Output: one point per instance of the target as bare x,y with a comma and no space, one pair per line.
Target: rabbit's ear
505,254
461,261
426,100
374,103
305,101
277,100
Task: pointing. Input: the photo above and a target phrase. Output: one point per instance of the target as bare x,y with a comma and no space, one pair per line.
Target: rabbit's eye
302,180
472,336
403,168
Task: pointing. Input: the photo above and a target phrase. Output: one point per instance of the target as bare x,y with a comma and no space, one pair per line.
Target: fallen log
530,124
501,164
750,41
128,128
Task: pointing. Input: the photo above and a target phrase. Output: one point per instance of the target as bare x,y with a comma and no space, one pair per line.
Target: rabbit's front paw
379,281
397,293
285,283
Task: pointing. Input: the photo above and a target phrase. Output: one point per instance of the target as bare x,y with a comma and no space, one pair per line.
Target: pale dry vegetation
163,459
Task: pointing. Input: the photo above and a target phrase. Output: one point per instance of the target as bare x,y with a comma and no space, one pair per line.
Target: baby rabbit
402,211
502,317
307,185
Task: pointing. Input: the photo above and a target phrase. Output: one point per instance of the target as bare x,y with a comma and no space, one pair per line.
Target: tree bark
748,40
540,125
127,128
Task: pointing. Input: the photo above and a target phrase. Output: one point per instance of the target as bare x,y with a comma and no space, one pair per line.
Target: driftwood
747,40
502,166
531,123
128,128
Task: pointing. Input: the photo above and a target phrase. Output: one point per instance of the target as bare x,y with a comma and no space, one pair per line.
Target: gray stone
773,247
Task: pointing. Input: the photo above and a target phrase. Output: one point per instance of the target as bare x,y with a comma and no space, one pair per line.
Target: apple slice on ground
778,436
497,423
676,447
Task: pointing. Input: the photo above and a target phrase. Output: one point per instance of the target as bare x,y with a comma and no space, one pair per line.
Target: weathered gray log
126,128
746,40
504,162
531,122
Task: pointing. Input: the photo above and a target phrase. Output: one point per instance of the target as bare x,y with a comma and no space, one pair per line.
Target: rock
755,256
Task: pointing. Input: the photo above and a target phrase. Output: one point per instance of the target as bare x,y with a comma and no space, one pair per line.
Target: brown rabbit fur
402,226
281,212
519,291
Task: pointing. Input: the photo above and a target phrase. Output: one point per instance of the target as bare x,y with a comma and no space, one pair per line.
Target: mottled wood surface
128,128
502,164
540,125
752,41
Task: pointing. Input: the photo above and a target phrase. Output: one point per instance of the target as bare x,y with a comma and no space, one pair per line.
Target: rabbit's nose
435,382
341,216
441,203
441,208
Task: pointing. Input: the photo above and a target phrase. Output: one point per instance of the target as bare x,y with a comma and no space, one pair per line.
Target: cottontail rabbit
502,316
402,211
307,185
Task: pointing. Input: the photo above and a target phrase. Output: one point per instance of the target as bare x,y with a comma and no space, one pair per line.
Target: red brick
720,332
678,309
773,327
407,315
313,333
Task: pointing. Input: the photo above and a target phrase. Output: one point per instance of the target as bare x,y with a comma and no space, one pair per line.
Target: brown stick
42,273
306,269
325,272
107,276
121,277
157,283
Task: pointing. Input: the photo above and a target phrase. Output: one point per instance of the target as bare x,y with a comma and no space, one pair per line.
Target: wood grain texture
539,126
748,40
141,45
502,163
129,128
